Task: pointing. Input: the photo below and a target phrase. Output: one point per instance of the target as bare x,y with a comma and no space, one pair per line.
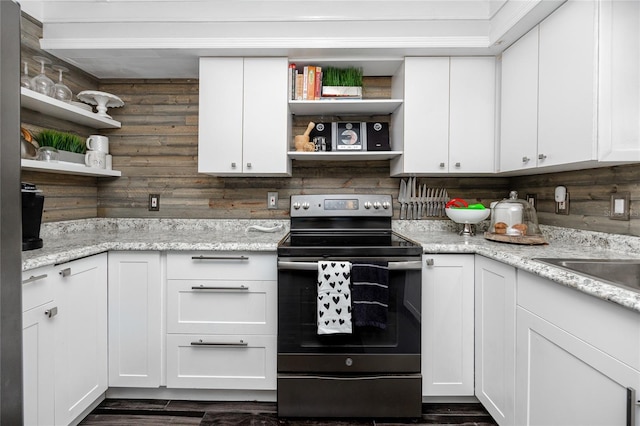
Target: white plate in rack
103,100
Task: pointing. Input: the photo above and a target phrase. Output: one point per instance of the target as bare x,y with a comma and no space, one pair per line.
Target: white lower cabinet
495,312
135,319
577,357
81,336
221,320
38,340
447,325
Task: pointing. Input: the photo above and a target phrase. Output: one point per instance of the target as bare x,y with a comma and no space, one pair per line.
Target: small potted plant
342,82
71,148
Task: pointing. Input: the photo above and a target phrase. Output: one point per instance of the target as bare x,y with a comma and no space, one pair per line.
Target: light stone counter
442,237
66,241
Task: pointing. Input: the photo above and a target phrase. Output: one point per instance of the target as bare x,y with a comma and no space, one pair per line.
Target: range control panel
342,205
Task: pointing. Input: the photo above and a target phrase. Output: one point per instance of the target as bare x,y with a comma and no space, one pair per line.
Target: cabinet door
221,362
619,81
495,346
568,85
135,319
38,342
266,118
81,336
220,115
426,115
447,325
563,380
472,106
519,122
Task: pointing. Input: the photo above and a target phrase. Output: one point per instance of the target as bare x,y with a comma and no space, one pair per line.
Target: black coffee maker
32,204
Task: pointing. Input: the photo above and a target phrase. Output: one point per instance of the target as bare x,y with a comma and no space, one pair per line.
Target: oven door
395,349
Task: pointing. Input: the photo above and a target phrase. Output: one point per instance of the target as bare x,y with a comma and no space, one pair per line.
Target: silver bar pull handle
219,257
200,342
429,262
312,266
50,313
203,287
33,278
65,272
542,157
631,406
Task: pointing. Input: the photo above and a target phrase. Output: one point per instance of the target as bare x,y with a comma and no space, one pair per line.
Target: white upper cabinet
567,85
519,123
571,89
243,118
619,81
448,116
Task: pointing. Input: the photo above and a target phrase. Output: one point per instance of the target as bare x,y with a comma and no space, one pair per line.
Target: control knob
305,206
377,205
296,205
386,205
367,205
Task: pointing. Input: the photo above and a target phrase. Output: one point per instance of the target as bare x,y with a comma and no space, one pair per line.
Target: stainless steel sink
621,272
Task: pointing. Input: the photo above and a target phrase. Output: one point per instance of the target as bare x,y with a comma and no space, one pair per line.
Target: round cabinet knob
377,205
296,205
525,159
367,205
248,165
305,206
386,205
542,157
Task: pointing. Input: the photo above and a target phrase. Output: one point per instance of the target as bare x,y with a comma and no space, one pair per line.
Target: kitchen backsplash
156,150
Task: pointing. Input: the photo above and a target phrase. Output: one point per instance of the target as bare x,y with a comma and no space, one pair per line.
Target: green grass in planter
62,141
351,77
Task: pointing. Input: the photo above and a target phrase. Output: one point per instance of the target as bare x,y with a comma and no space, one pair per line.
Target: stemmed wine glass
25,81
41,83
60,90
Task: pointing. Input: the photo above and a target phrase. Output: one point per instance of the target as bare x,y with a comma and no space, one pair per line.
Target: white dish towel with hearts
334,297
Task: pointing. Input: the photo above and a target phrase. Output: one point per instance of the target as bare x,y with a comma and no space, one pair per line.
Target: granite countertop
66,241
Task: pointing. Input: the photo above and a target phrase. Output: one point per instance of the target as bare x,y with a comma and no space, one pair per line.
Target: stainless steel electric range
371,369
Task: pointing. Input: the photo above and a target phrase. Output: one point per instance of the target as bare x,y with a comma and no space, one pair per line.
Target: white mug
98,143
95,159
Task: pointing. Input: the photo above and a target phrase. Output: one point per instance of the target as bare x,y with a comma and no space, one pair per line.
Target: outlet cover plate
620,208
154,202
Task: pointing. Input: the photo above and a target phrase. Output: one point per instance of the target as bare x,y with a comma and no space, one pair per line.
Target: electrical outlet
620,208
562,207
272,200
154,202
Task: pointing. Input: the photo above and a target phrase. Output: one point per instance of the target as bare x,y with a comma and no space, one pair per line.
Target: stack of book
305,84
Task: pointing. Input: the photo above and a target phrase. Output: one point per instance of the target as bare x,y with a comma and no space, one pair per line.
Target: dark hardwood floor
120,412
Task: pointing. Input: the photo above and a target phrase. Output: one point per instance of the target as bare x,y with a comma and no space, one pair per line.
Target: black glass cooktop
347,243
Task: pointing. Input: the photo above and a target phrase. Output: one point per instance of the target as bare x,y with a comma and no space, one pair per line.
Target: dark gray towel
370,293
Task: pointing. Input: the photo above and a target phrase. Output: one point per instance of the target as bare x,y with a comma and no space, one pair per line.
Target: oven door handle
313,266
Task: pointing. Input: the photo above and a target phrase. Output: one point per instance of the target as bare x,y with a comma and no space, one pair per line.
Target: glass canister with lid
514,220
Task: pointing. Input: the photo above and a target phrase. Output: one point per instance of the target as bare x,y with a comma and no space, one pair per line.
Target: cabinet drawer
37,287
221,362
221,307
222,265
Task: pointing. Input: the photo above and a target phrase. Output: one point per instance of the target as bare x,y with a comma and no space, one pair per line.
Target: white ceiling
164,38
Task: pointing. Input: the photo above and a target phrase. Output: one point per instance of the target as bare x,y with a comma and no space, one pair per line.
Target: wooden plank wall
157,152
66,197
589,197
